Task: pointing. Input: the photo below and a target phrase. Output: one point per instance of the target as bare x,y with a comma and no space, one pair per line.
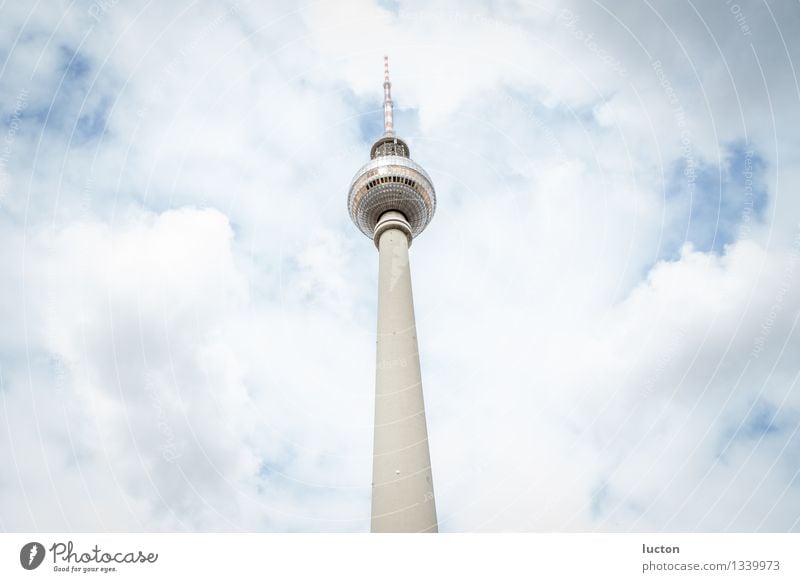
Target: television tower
392,200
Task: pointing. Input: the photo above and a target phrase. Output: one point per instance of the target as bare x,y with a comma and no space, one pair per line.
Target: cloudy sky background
607,299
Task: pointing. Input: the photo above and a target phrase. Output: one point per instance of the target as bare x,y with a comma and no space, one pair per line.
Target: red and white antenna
388,120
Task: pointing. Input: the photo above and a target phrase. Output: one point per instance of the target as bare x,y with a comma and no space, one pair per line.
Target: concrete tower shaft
402,484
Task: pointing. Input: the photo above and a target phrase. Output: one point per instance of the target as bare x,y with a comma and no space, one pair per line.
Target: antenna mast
388,120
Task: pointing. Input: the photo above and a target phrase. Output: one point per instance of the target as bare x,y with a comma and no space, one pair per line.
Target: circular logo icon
31,555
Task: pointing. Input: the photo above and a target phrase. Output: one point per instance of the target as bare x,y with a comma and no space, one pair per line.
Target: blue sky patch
708,204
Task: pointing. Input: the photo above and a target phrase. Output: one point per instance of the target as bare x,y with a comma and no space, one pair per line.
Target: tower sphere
391,182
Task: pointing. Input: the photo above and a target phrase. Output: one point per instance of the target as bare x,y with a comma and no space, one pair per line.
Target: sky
607,300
